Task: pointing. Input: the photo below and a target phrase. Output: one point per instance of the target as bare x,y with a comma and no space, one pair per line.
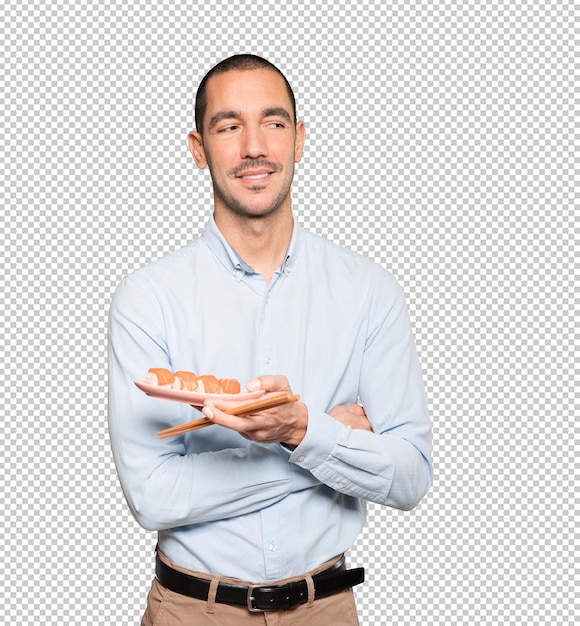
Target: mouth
256,172
255,175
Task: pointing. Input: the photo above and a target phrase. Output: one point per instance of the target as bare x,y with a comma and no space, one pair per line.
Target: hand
282,424
352,415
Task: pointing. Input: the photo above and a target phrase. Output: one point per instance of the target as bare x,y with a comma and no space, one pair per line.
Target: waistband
262,597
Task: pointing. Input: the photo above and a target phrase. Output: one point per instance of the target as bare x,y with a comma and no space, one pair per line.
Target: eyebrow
223,115
220,116
277,112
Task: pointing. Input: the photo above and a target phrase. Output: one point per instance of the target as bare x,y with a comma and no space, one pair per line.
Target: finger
217,416
269,383
222,403
353,409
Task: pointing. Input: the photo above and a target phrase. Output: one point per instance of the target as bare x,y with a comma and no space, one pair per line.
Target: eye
227,129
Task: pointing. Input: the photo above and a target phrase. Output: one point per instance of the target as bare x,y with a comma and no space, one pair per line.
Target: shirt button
267,360
272,547
340,486
300,459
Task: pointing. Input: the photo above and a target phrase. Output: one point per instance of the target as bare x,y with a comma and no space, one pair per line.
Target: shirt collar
219,245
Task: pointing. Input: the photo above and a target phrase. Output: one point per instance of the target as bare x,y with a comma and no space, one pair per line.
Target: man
255,513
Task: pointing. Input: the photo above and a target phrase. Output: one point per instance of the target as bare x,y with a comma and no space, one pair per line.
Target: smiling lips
255,175
256,171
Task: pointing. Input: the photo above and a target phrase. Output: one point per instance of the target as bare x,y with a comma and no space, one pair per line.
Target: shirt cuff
322,435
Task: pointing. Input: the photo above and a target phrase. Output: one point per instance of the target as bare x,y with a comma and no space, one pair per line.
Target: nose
254,143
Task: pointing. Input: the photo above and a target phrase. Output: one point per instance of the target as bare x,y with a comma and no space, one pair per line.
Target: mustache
252,164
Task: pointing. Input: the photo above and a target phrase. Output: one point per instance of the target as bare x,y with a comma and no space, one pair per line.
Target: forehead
247,91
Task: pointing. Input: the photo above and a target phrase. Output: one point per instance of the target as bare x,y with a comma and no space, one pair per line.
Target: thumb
268,383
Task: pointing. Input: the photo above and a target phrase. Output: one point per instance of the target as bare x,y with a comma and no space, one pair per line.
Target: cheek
221,158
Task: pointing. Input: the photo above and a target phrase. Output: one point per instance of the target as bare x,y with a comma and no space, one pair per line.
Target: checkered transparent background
441,143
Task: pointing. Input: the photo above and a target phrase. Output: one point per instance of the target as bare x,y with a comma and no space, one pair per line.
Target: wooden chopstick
269,402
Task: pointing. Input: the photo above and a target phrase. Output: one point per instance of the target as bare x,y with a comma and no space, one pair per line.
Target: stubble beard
248,209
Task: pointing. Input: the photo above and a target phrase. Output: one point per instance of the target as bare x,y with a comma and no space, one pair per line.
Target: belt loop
211,594
310,586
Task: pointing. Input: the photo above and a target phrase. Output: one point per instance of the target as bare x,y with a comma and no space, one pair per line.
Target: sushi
160,376
208,384
184,380
230,385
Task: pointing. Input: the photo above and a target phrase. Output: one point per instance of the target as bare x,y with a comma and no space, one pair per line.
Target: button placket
272,542
266,333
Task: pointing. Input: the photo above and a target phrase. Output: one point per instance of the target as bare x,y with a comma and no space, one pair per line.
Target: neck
261,241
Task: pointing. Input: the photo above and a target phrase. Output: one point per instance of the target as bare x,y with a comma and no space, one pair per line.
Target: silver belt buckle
251,598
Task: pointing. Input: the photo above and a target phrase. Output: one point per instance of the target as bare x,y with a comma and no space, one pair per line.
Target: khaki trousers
167,608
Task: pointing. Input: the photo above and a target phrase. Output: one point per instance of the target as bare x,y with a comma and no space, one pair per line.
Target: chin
259,213
257,210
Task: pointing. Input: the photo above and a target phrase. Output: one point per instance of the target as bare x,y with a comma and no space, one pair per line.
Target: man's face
250,142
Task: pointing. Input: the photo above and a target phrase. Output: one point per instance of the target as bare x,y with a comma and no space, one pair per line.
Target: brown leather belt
263,597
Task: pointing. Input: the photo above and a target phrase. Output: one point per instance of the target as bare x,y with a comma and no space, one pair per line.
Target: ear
195,141
299,143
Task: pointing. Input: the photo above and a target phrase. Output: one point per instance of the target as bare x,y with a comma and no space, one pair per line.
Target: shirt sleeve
164,486
391,465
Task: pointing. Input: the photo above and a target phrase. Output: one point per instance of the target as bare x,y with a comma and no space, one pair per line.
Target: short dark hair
239,62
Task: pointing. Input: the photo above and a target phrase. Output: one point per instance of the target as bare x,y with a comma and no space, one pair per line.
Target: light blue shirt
337,326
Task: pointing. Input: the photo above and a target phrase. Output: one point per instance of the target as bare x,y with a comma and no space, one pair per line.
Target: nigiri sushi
186,381
230,385
183,380
208,384
160,376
